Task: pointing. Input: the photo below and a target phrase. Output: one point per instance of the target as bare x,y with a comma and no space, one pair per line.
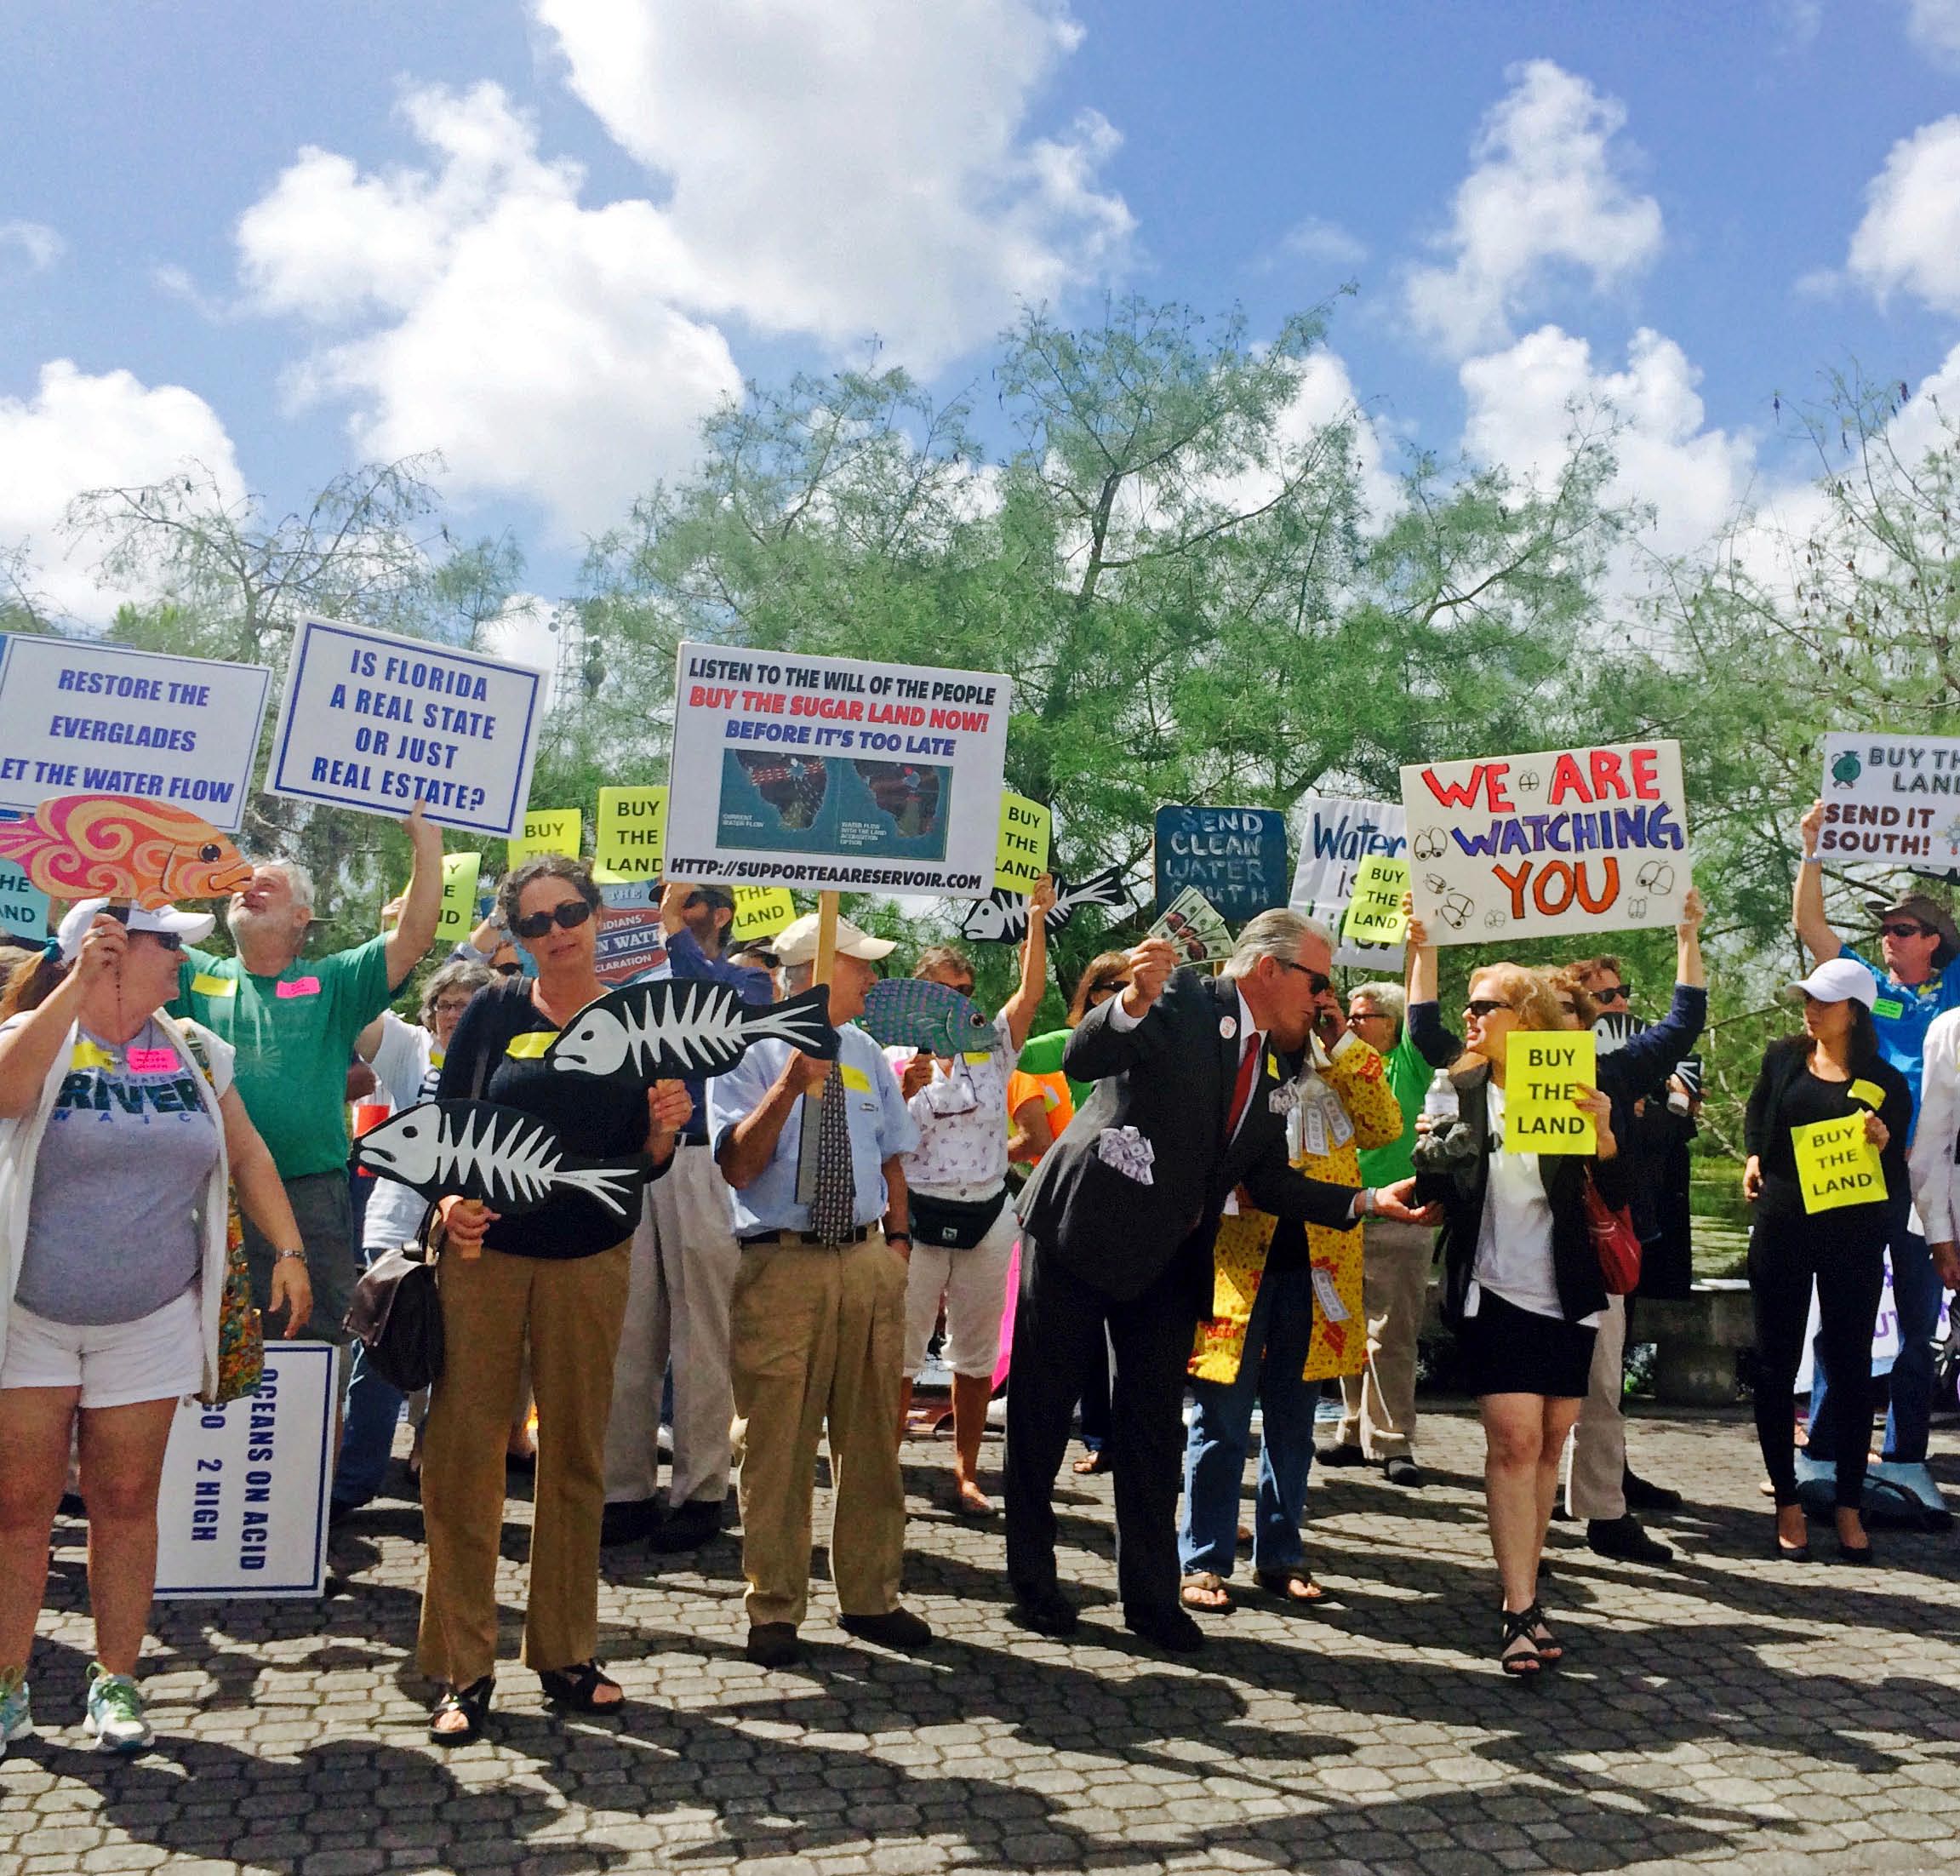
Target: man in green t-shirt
1379,1423
292,1022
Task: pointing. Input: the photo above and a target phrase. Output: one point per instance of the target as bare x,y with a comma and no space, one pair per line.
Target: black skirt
1507,1350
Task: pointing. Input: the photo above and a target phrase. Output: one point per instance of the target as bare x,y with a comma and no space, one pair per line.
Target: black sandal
472,1702
1517,1626
1550,1650
574,1687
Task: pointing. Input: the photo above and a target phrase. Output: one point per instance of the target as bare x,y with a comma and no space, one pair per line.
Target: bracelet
1812,859
280,1257
898,1236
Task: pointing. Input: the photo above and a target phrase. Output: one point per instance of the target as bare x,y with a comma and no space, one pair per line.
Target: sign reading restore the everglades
836,773
1590,838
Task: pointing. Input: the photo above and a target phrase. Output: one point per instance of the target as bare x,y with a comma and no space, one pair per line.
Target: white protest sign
1337,833
242,1509
80,717
1590,839
834,773
377,722
1892,800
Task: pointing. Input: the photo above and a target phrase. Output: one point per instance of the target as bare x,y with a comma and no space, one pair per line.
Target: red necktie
1242,1089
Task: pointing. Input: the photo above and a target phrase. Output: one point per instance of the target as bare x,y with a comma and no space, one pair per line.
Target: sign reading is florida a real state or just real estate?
834,773
1891,799
1590,839
83,718
377,722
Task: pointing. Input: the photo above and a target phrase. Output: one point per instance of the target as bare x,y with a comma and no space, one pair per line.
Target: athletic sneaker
16,1711
116,1712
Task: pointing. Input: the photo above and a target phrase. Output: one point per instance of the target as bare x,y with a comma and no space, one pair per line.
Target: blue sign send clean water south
1235,856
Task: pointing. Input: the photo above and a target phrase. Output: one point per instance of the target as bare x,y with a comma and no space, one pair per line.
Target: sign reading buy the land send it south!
83,718
1235,857
377,722
834,773
1588,839
1892,800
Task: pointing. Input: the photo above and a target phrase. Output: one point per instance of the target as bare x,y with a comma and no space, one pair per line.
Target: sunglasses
1106,990
1902,929
164,941
1370,1016
566,916
1318,984
1613,993
1481,1007
510,970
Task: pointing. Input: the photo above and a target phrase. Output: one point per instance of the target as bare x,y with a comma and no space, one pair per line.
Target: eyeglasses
510,970
1481,1007
1370,1016
454,1006
567,916
1315,982
1903,929
961,990
1613,993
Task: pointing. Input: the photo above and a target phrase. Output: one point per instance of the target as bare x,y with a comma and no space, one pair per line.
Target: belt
856,1235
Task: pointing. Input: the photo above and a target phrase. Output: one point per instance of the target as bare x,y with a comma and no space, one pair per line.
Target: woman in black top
552,1282
1832,1071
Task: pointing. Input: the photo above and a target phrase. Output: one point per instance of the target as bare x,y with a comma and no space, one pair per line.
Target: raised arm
1807,905
1021,1008
749,1145
27,1051
1117,1036
422,903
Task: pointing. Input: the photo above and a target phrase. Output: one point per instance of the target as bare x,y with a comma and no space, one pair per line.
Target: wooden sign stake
813,1101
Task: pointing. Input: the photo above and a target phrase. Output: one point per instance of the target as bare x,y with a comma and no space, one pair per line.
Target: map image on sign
833,805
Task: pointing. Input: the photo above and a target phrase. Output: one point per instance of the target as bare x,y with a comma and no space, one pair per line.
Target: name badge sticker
1889,1006
152,1061
298,986
531,1045
1869,1092
854,1078
87,1054
202,986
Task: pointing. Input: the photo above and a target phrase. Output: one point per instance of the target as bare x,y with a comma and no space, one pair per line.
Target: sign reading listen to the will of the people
377,722
1235,857
834,773
1590,838
78,718
1892,800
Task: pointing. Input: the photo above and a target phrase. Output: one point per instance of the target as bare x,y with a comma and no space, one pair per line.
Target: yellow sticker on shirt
87,1054
976,1056
1869,1092
530,1046
1272,1067
201,986
854,1078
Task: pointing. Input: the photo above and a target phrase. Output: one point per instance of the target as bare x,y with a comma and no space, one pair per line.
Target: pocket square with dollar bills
1127,1151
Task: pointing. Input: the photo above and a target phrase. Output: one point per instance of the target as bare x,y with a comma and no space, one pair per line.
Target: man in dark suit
1192,1078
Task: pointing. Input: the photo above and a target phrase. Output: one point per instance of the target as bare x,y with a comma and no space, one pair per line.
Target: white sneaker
16,1710
116,1712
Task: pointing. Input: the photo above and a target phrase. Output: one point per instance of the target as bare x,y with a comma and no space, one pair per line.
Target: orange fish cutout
123,847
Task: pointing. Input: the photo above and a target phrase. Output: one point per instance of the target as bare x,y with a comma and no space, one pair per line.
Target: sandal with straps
1202,1584
1517,1627
1550,1650
575,1687
472,1702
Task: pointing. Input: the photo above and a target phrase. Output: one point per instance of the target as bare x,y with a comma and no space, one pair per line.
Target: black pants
1785,1254
1059,1324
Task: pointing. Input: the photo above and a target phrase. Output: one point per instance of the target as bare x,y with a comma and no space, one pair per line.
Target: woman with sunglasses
552,1283
1833,1071
120,1131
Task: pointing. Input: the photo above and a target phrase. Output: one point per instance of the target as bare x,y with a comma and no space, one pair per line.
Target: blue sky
283,243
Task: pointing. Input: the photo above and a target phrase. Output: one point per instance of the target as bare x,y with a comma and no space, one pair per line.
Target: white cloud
526,630
1546,196
81,432
39,246
1934,25
1318,239
1909,238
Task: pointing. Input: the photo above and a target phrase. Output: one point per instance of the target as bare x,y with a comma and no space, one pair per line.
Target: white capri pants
973,1285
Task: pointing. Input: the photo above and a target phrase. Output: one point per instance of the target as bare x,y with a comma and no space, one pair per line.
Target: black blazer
1170,1078
1575,1263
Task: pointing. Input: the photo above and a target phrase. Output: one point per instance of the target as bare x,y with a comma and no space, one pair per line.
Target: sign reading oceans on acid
82,719
377,722
1892,800
1235,857
1590,839
1339,834
242,1509
836,773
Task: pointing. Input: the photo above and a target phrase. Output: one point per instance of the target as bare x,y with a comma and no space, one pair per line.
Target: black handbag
954,1224
397,1316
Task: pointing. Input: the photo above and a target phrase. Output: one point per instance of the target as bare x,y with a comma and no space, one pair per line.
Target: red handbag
1615,1241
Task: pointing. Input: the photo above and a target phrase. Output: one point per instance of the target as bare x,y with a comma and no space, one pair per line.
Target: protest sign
630,936
632,832
242,1508
1337,833
1892,800
1543,1069
1235,857
377,722
1590,838
836,774
546,830
1374,913
458,917
1191,922
1836,1165
1022,855
761,911
81,717
23,905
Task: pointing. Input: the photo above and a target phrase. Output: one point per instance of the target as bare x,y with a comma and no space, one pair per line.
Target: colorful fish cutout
681,1027
916,1013
123,847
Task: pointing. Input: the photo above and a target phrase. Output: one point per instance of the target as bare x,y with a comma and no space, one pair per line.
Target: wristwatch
898,1236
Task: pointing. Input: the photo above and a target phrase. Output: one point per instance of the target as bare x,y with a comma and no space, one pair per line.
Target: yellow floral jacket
1344,1104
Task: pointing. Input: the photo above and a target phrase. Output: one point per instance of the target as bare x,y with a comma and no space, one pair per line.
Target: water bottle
1441,1112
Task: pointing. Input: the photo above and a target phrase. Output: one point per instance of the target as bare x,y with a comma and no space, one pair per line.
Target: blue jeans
368,1432
1269,1372
1916,1296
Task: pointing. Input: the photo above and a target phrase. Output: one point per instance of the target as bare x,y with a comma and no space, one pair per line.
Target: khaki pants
1380,1400
1595,1462
818,1338
570,1311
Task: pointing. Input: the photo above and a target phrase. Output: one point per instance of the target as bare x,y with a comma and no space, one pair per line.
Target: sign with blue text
377,722
81,717
1891,801
1235,857
1339,835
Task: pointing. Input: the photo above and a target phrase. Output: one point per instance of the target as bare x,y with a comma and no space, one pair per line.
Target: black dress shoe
1046,1611
629,1521
1642,1494
775,1645
1171,1629
688,1528
1624,1539
895,1628
1339,1452
1402,1470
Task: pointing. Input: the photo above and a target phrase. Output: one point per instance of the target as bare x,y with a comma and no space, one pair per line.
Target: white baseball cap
796,942
192,927
1840,981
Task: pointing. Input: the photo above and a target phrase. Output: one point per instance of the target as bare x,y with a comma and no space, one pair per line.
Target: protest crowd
728,1206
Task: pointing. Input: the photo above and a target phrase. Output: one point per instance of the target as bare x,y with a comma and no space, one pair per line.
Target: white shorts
158,1356
973,1286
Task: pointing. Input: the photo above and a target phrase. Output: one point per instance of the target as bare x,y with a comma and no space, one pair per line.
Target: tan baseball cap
796,942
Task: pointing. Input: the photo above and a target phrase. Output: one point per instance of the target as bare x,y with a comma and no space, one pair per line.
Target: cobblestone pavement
1727,1713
